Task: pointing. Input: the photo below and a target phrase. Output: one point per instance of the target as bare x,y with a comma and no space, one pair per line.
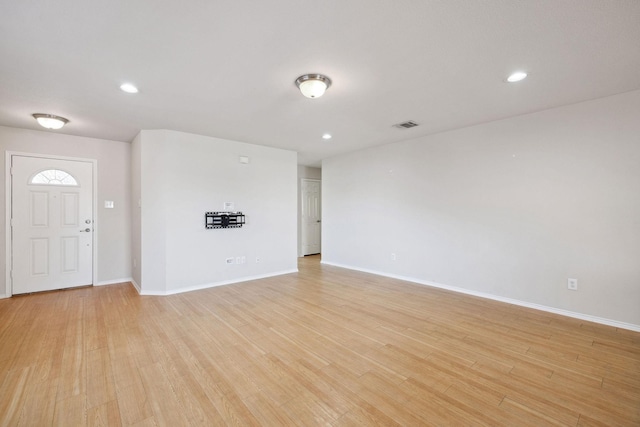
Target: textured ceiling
227,68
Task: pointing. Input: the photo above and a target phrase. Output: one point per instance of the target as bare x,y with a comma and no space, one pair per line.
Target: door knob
86,230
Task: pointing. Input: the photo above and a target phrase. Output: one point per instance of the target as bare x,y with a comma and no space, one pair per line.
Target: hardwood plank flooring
326,346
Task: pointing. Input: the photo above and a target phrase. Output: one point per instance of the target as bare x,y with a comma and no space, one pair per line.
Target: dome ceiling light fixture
313,85
50,121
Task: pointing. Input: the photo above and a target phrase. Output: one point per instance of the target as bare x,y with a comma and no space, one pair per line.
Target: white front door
311,217
51,223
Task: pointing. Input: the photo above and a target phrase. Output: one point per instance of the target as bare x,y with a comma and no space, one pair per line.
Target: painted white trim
581,316
301,253
135,285
7,200
3,296
96,220
214,284
113,282
8,263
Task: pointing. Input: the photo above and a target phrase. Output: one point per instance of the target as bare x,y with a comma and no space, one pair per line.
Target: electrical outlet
393,257
229,260
135,263
572,284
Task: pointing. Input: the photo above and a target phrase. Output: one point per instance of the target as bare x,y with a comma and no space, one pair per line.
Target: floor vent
406,125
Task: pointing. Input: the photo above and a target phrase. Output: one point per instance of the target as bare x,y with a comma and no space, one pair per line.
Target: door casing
8,200
303,226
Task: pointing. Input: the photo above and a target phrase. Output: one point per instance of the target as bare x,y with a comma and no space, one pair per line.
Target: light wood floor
325,346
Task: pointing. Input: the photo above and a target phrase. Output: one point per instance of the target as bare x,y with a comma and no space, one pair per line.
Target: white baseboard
213,284
113,282
135,285
581,316
2,296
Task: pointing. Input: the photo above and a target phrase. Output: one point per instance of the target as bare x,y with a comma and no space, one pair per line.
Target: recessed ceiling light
517,76
50,121
326,136
129,88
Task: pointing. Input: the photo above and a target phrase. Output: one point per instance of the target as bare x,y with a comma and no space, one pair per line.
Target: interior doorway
311,216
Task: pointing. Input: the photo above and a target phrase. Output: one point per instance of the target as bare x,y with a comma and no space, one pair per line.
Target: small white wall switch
393,257
228,206
108,204
572,284
244,159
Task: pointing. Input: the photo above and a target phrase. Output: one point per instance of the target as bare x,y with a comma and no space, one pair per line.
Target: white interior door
311,217
51,224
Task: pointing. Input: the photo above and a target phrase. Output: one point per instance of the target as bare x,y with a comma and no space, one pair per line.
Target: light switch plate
108,204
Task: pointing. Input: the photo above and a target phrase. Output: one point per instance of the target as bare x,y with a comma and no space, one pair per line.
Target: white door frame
9,238
302,226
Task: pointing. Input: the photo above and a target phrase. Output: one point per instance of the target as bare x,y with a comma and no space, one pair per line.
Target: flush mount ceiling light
129,88
50,121
313,85
326,136
517,76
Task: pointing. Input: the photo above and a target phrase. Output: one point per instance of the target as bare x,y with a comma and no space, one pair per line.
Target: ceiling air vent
406,125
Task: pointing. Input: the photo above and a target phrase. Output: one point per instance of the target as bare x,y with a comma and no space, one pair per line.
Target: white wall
509,209
304,172
183,176
113,226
